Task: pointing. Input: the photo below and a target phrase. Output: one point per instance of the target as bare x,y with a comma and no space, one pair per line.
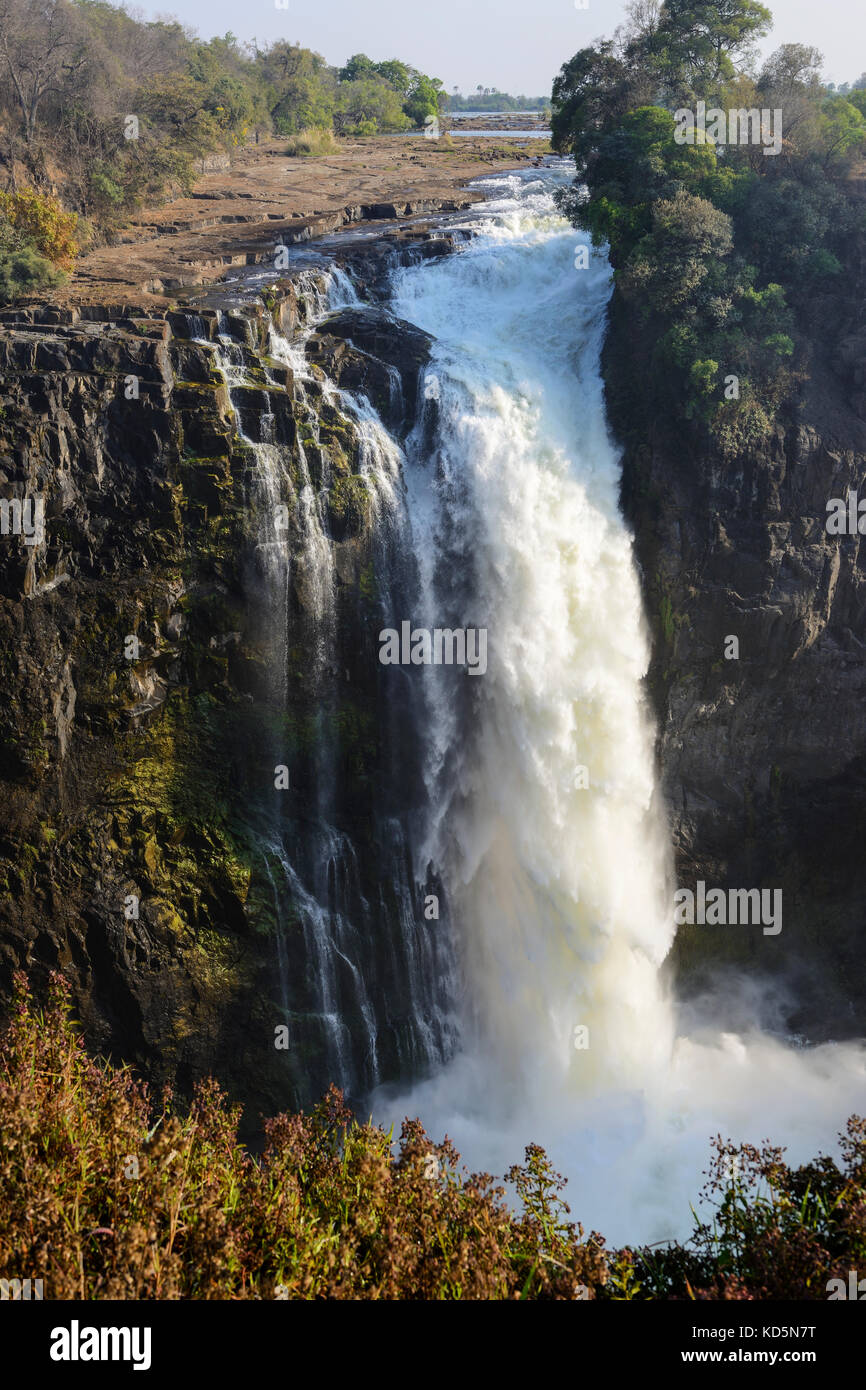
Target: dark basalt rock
358,346
135,781
763,757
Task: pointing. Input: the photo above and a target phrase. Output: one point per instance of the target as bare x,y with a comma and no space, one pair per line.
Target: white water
561,896
312,867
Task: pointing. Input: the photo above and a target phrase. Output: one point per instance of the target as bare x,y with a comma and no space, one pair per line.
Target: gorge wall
148,850
762,758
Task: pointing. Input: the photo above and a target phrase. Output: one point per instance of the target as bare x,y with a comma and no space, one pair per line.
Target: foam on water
561,894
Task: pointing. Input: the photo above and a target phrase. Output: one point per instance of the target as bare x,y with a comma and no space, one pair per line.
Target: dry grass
308,144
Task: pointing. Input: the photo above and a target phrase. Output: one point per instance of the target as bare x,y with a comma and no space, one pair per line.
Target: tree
41,221
398,75
300,88
426,98
842,131
644,17
365,107
688,238
591,94
636,166
697,42
40,49
358,68
792,66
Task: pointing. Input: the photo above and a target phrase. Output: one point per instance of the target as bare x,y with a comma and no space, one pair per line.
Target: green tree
358,69
398,75
300,87
366,107
842,131
670,265
697,42
426,97
591,95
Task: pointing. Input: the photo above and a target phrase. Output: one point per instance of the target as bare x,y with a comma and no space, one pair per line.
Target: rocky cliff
165,842
211,796
762,754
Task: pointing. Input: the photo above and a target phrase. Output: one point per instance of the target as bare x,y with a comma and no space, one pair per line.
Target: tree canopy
717,246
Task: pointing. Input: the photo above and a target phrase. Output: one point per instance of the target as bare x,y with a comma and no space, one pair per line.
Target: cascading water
365,989
536,823
544,823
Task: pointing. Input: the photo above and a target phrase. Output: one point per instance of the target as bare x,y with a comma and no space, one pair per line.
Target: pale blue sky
515,45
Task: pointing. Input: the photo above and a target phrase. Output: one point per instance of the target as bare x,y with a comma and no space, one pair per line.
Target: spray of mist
551,839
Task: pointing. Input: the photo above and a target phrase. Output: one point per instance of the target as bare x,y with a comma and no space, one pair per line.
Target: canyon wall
762,757
147,850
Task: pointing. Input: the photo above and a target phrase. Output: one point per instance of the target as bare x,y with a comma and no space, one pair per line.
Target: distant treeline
483,99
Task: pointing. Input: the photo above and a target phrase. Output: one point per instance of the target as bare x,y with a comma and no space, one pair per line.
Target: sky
516,46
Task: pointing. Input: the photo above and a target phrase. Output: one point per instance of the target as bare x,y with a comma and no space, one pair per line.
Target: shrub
22,269
40,218
316,141
776,1232
105,1193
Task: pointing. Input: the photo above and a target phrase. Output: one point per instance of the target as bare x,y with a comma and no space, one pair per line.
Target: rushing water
535,1009
551,841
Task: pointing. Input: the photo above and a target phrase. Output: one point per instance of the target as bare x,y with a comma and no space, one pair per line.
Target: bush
106,1194
40,219
316,141
776,1233
24,271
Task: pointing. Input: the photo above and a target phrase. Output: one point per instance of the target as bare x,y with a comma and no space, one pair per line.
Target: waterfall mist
545,824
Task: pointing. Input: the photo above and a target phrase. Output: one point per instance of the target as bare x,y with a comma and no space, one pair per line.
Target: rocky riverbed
238,214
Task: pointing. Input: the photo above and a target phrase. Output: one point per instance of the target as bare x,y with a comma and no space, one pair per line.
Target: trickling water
360,977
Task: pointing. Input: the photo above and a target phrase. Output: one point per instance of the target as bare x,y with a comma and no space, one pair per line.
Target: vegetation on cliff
108,1192
727,254
37,243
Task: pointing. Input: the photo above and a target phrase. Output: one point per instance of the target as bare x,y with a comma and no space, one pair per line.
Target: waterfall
545,821
523,801
365,989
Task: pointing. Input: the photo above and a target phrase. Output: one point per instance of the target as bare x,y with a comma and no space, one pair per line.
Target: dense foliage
104,1195
107,1193
37,243
723,254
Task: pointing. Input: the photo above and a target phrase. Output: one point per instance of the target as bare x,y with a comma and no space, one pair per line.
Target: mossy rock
349,506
